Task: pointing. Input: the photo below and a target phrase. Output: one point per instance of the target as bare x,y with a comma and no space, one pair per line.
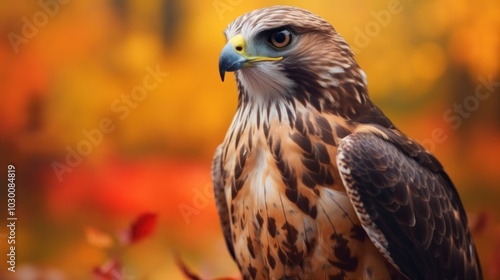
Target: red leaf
111,270
142,227
191,275
479,222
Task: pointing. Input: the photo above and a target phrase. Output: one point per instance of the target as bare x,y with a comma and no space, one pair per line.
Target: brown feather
284,206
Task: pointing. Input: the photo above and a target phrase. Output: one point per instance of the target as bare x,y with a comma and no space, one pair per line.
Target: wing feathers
406,201
220,198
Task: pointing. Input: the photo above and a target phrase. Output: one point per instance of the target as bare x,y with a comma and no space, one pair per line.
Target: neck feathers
338,90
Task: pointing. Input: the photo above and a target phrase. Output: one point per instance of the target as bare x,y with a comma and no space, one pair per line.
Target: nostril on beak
239,48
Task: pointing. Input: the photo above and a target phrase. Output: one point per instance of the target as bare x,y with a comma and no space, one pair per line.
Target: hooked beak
234,56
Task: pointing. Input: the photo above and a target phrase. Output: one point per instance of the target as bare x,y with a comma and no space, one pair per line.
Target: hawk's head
287,52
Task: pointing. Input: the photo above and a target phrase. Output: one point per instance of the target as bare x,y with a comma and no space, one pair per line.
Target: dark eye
280,38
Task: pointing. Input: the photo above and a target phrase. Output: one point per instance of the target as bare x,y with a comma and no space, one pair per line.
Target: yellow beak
234,56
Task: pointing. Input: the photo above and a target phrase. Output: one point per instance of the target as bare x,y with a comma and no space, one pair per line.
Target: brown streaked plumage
312,180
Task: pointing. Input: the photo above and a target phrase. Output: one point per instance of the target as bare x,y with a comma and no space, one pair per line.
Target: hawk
312,180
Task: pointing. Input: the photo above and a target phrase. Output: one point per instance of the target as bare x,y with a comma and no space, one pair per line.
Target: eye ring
280,38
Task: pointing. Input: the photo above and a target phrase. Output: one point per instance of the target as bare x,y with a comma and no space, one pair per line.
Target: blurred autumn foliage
113,269
113,108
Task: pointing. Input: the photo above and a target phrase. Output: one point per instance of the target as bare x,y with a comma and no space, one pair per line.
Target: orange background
64,75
